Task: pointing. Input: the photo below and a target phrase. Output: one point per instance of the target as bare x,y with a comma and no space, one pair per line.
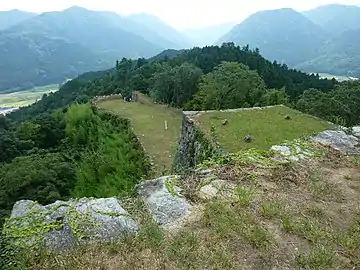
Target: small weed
350,240
257,236
348,177
184,249
319,257
152,235
271,210
310,229
287,223
245,196
322,190
221,217
314,211
221,259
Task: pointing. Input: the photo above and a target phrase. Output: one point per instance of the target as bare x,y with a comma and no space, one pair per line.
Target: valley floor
294,216
14,100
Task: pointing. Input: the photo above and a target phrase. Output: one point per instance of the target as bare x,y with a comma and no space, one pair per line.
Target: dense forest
62,146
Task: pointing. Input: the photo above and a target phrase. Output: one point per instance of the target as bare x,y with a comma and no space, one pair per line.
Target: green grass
319,257
148,120
267,127
26,97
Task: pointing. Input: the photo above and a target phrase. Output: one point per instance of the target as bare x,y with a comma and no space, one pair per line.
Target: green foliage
340,105
318,258
113,161
41,177
230,85
175,85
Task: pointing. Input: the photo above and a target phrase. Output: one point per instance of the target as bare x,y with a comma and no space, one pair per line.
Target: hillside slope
97,42
335,18
158,26
34,59
141,30
12,17
340,56
90,29
283,35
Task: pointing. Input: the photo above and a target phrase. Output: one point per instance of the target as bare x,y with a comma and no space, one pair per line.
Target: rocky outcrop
339,140
193,147
63,225
292,151
164,200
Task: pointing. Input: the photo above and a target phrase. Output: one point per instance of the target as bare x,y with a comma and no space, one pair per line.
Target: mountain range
38,49
324,39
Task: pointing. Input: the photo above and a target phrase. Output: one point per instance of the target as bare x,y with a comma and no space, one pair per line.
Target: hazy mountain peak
76,9
335,18
13,17
158,26
283,35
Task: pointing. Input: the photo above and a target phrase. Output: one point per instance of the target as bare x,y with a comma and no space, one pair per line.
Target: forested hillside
47,60
64,44
61,146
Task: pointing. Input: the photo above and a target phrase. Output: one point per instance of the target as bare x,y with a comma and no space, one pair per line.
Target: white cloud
181,13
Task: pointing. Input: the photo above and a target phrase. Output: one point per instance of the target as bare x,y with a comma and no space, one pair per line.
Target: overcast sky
180,14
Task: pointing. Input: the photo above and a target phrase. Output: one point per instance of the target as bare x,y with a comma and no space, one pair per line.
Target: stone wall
96,99
194,147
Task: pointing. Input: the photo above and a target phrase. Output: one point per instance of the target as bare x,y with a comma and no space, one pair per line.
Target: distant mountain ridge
335,18
90,40
324,39
283,35
158,26
13,17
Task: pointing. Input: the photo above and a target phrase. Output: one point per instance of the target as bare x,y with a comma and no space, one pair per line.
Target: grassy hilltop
148,121
267,127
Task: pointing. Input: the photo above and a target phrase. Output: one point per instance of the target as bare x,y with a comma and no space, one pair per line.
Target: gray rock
225,122
292,152
356,131
339,140
287,117
212,189
247,138
63,225
164,200
285,153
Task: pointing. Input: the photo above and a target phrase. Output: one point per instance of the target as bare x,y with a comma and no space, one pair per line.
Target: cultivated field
27,97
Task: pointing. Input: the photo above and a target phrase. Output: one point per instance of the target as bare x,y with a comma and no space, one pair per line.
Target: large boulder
339,140
63,225
164,200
